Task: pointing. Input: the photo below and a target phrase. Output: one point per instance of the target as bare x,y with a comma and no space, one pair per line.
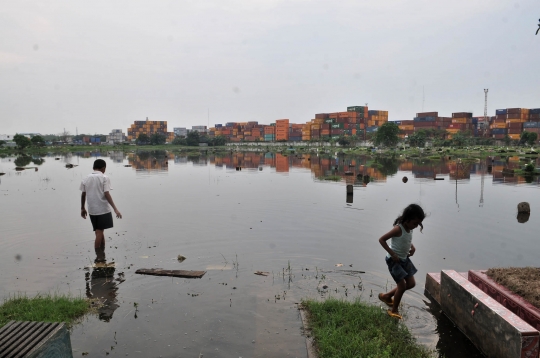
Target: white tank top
401,245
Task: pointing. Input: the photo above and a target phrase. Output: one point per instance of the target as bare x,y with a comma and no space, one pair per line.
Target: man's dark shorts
401,270
102,222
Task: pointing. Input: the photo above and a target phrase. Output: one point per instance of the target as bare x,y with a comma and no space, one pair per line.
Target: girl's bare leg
406,284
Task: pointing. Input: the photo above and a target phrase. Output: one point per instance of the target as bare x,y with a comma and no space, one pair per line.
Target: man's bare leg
100,239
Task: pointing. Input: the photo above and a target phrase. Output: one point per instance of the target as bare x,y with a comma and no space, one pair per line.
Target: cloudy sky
98,65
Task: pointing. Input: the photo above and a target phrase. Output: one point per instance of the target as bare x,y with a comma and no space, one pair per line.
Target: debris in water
181,258
339,265
173,273
262,273
69,166
127,165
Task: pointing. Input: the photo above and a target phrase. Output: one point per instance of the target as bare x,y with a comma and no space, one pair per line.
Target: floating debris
69,166
181,258
173,273
262,273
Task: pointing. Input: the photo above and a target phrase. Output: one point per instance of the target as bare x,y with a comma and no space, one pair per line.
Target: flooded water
278,215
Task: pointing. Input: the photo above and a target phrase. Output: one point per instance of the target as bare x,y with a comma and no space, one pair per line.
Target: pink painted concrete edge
513,302
523,327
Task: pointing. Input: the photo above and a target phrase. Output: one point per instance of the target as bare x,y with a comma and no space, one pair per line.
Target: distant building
30,135
180,131
116,136
149,128
200,129
6,137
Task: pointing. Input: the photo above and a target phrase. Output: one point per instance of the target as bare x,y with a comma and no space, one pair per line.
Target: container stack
406,128
149,128
270,133
295,132
461,122
282,129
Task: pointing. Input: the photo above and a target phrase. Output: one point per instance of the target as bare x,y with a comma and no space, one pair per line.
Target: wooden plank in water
173,273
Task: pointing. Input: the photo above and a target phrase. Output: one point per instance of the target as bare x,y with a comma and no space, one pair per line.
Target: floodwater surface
278,214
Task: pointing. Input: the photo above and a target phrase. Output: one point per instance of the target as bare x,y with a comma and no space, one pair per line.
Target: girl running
401,248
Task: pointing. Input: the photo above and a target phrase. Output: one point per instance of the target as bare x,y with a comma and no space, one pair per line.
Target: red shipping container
342,120
321,115
427,114
499,121
534,115
325,126
462,115
514,110
514,131
514,125
501,116
336,131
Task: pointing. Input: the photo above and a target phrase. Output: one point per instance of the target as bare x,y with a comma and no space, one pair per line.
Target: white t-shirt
95,185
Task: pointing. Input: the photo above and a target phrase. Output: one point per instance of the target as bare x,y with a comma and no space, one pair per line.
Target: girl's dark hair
411,212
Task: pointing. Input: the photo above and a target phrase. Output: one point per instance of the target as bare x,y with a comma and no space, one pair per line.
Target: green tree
157,139
193,138
179,141
21,141
37,141
344,141
418,139
507,140
528,138
387,135
219,140
460,139
143,139
2,142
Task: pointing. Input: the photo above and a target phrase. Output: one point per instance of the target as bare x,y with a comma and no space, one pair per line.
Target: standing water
288,216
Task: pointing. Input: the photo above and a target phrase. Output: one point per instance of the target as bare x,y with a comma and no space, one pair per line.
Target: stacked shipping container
149,128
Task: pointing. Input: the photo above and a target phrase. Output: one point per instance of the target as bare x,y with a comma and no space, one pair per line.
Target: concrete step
492,328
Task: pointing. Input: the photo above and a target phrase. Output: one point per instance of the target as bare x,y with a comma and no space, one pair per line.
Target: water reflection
156,161
102,286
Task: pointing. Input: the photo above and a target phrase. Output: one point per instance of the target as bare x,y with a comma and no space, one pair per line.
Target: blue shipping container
498,131
219,125
535,111
396,122
371,129
475,120
500,111
531,125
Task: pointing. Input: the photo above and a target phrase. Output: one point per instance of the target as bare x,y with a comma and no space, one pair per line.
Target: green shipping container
359,109
337,125
329,120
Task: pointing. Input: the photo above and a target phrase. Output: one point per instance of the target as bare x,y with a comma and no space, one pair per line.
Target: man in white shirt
95,190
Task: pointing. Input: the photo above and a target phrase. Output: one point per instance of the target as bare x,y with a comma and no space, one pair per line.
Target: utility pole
484,164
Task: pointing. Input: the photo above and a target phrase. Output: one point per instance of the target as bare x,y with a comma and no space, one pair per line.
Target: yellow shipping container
460,120
514,136
306,137
516,120
452,130
315,126
498,125
407,127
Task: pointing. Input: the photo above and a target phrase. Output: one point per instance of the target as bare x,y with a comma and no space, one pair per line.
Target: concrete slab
513,302
493,329
433,286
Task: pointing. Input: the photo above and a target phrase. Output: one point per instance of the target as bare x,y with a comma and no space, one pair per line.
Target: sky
99,65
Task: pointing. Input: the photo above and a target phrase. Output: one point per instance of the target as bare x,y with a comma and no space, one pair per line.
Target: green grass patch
44,308
331,178
344,329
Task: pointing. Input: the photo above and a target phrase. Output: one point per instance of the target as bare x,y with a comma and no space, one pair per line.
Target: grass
523,281
331,177
44,308
355,329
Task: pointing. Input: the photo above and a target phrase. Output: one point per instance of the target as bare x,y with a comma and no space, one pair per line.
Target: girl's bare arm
395,232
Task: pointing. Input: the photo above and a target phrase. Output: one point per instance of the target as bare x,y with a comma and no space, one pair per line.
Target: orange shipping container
461,120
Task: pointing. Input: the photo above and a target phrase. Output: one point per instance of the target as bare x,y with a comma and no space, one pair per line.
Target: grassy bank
44,307
345,329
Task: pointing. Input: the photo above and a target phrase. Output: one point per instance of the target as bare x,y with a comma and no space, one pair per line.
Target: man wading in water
95,189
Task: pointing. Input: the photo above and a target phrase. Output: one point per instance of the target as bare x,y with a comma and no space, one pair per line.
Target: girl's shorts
401,270
101,222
